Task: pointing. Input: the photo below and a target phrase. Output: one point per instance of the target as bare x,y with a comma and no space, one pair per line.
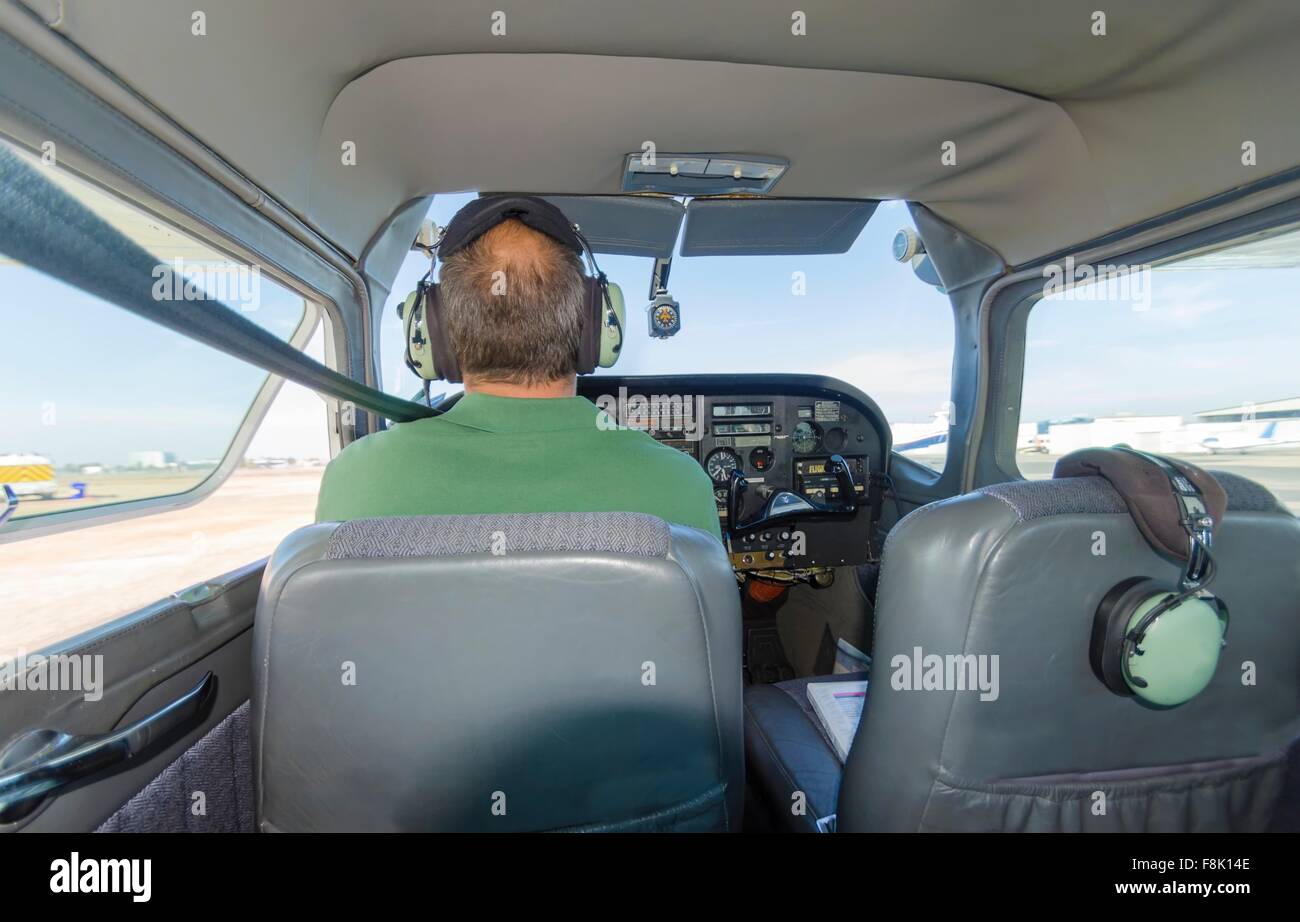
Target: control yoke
785,504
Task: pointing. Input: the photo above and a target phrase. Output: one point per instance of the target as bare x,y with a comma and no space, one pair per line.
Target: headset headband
1172,502
483,214
1195,517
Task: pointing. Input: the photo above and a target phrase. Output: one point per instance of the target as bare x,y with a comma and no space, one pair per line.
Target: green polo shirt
512,454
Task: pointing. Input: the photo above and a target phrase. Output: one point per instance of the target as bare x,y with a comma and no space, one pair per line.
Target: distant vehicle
1274,435
29,475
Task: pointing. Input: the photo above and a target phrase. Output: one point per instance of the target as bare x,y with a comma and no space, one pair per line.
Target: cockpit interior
977,318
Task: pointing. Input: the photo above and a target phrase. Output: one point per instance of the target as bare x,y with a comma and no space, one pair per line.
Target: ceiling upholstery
1061,135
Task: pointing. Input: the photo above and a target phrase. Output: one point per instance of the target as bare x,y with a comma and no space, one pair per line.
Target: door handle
43,763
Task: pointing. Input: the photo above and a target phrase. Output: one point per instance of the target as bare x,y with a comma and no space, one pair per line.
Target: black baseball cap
483,214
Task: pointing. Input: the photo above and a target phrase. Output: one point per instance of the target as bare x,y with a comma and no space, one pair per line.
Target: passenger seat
1014,570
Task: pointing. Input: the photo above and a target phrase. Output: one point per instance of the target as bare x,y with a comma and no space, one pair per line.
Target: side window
1194,358
105,409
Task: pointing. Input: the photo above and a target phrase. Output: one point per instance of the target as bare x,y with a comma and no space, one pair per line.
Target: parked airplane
933,435
1276,434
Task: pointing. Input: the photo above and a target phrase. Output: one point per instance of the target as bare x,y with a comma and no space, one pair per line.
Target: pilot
519,439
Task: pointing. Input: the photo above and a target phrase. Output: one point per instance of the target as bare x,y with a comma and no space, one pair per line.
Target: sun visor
775,227
624,225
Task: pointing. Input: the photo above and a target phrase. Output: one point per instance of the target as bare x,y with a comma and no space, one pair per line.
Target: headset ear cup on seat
1109,626
1174,630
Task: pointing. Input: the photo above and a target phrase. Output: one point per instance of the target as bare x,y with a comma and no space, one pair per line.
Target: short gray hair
513,302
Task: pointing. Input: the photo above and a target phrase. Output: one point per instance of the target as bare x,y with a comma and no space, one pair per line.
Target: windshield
858,316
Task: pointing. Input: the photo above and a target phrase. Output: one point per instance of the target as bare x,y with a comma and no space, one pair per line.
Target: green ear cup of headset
419,354
611,334
1179,651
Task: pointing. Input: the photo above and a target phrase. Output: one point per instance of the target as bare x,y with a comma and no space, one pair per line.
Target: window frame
318,310
17,529
1007,313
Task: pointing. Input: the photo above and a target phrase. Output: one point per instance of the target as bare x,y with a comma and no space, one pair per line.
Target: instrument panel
785,442
779,432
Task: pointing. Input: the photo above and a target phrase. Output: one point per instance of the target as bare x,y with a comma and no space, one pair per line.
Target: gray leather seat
1010,570
498,672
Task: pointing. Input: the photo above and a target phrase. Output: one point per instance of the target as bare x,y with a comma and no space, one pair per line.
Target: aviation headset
1150,640
428,348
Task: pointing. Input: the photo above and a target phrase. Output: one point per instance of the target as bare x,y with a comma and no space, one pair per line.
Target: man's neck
561,387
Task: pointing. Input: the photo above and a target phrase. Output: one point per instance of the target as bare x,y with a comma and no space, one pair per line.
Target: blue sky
1210,338
84,381
116,383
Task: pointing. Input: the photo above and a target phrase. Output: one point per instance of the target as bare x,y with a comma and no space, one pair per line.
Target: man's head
513,302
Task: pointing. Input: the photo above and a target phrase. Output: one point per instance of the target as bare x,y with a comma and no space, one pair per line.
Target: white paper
838,705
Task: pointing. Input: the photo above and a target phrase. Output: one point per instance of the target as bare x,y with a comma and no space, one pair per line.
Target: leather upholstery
977,574
787,752
486,681
1011,570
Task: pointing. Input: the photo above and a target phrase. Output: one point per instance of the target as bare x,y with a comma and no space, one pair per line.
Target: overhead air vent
701,174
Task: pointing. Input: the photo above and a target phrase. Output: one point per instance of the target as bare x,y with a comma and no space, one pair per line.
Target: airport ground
57,586
1278,469
54,587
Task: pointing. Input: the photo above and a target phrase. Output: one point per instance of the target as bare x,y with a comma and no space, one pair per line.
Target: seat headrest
1147,493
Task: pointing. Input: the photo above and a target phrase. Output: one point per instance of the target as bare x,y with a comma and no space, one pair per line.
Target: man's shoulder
391,443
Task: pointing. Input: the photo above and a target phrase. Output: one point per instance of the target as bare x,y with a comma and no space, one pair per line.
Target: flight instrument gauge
805,437
720,463
665,316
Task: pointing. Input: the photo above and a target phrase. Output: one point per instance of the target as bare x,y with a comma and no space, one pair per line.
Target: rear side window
104,409
1195,359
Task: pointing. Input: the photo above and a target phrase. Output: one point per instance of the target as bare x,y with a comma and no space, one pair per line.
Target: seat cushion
786,751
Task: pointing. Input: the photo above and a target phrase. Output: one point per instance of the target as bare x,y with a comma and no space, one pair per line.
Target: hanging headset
428,349
1156,642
